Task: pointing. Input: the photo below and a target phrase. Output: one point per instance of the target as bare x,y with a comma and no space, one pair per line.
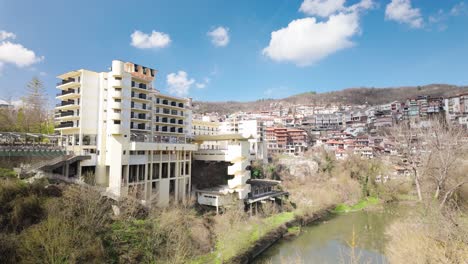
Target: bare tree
410,148
445,149
433,152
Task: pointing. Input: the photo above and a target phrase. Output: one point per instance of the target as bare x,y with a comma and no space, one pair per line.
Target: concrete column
67,169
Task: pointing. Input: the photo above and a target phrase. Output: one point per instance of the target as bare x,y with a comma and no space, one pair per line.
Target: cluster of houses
343,129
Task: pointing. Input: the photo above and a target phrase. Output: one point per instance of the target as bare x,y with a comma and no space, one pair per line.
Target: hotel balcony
67,105
140,117
67,116
141,87
140,108
67,94
68,84
169,104
166,121
140,98
67,126
170,130
141,127
170,113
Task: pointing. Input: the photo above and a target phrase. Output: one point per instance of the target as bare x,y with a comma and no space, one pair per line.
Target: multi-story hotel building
138,138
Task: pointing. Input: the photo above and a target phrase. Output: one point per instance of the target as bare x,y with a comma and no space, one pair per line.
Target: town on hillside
133,139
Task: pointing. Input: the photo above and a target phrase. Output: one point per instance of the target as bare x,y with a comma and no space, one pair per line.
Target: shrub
26,212
428,237
7,173
8,248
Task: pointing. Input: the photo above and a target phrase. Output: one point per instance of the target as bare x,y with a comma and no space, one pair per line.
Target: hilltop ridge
348,96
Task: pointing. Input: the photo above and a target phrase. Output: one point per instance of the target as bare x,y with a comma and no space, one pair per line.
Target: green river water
327,241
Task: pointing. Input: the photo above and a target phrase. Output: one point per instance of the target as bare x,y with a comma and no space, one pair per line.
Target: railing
63,114
65,82
158,139
64,104
65,92
64,125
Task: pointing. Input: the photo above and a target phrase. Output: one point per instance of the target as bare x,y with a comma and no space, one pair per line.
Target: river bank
279,227
338,237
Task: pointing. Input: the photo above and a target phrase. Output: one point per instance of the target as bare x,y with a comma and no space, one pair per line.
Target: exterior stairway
51,164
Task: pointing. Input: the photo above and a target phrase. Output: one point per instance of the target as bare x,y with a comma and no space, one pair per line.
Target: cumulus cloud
401,11
219,36
179,83
458,9
13,53
306,41
322,8
6,35
156,39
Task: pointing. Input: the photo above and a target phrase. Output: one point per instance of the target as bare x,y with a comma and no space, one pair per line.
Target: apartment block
252,129
286,140
136,137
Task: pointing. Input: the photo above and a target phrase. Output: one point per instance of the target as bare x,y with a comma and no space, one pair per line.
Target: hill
349,96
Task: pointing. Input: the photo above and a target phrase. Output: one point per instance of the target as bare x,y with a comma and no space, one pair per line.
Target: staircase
51,164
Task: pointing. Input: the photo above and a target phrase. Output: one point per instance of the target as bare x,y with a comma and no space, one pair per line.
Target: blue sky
317,45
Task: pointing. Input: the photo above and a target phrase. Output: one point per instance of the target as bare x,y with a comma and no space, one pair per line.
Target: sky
241,50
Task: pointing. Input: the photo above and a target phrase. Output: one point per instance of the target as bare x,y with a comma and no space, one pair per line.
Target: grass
241,240
294,230
344,208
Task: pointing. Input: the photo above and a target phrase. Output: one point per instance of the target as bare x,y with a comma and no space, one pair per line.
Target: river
328,241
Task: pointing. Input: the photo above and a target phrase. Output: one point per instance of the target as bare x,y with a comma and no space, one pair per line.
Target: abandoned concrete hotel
134,140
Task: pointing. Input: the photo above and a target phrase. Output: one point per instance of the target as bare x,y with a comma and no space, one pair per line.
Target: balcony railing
64,104
65,82
71,113
158,139
64,125
140,127
65,92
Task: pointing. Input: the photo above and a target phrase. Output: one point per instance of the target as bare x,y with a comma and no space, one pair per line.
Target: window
116,122
117,111
156,171
118,78
172,170
117,100
164,171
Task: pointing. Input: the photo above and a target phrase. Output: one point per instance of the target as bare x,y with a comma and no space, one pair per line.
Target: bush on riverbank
429,236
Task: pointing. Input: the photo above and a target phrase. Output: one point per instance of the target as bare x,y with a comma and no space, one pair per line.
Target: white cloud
6,35
201,85
17,54
306,41
179,83
142,40
402,12
42,73
322,8
326,8
219,36
458,9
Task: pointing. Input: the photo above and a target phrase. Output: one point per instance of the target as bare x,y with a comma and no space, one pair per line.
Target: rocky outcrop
298,166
